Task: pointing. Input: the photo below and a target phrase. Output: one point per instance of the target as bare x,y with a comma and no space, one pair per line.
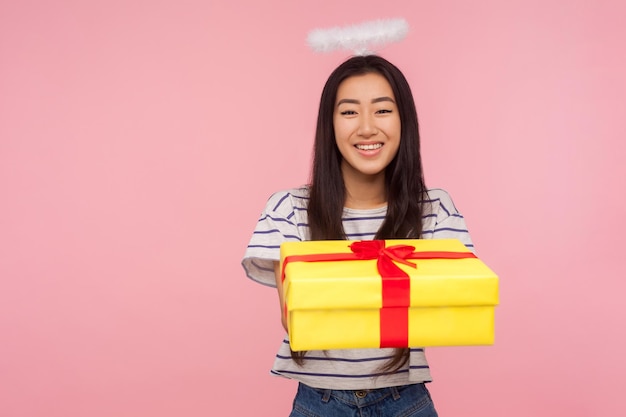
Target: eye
348,113
384,111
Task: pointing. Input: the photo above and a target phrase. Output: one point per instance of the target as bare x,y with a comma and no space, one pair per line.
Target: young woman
366,183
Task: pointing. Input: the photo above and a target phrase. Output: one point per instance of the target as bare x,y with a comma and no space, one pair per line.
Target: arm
450,224
279,287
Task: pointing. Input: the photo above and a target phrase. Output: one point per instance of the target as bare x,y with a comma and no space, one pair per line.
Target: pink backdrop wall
140,140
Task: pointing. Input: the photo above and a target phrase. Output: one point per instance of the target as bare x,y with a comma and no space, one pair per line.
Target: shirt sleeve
449,223
276,224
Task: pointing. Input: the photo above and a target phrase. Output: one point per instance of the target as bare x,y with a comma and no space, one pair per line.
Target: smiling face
367,126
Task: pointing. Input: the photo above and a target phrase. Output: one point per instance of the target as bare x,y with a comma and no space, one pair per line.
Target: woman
366,183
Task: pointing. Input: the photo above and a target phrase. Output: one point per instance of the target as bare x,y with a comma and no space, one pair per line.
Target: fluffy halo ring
361,39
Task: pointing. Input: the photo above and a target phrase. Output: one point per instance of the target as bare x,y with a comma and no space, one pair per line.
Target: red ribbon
396,284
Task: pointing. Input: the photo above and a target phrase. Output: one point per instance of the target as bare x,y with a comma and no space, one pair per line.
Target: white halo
361,39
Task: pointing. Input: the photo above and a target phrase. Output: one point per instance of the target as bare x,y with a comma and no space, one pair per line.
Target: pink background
139,141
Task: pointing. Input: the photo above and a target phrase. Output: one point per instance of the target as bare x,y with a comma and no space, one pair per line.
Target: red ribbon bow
396,291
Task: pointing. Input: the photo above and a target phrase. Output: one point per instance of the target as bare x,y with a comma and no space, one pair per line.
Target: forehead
370,85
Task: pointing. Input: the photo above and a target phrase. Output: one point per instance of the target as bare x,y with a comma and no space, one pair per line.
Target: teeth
369,147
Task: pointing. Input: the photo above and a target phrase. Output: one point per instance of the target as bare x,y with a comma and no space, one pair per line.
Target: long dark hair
404,178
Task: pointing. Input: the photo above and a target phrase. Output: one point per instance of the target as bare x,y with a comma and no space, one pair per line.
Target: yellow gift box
395,293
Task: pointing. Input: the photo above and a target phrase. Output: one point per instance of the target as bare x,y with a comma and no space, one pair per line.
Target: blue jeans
404,401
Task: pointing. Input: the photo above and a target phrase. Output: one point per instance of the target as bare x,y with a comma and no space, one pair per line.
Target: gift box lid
357,283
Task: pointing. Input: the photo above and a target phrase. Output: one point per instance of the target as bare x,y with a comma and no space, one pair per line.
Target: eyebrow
376,100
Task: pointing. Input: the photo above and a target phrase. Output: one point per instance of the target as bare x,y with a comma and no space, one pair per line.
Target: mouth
369,146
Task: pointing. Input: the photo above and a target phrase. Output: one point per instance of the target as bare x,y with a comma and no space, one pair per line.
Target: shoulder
440,200
286,201
443,220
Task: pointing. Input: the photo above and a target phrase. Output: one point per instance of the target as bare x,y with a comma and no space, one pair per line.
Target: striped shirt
285,220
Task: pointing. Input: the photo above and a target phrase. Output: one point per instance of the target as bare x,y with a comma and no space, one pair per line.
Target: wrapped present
386,293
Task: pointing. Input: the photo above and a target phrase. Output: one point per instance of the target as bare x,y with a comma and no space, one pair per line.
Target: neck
366,192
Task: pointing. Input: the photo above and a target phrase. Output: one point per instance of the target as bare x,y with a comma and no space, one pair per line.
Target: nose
367,127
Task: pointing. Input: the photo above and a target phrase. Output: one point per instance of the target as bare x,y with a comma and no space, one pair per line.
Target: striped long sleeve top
285,219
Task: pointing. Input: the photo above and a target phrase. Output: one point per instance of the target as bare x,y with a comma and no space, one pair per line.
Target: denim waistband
366,397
